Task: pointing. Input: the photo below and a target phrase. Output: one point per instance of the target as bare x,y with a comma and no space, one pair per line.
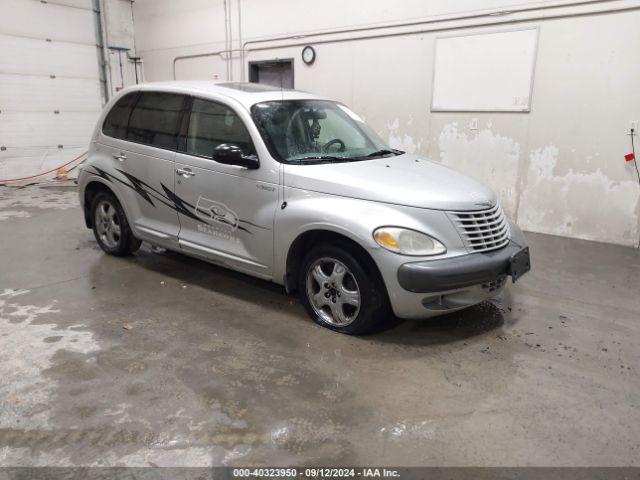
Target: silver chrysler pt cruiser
297,189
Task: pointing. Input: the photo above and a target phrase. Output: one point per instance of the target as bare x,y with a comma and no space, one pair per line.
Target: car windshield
317,131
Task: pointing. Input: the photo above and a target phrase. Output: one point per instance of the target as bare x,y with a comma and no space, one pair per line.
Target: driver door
226,212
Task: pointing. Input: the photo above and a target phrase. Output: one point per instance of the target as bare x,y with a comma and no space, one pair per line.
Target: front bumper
458,272
433,287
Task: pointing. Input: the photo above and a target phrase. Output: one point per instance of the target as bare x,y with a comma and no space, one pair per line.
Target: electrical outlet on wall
473,124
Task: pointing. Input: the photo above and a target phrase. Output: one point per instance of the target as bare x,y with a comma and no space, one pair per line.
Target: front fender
353,218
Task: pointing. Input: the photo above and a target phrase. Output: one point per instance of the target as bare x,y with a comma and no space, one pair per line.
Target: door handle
185,172
119,156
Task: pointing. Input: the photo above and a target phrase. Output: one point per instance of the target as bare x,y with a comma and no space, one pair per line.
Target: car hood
402,180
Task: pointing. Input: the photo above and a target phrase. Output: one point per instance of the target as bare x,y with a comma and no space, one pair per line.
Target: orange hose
44,173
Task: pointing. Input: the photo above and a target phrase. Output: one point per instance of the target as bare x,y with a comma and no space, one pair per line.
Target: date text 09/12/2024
315,473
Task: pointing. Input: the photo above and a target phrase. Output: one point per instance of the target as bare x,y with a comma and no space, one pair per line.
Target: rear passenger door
142,163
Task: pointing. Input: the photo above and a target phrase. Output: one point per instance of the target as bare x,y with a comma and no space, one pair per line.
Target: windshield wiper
385,151
324,158
334,159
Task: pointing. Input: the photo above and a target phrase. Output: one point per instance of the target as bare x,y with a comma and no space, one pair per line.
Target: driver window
336,127
212,124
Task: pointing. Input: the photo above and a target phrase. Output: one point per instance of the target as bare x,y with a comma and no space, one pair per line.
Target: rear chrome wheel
333,291
108,224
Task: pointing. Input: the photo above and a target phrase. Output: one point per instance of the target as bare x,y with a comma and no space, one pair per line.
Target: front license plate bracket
519,264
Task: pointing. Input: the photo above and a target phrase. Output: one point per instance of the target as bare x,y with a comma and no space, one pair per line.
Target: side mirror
230,154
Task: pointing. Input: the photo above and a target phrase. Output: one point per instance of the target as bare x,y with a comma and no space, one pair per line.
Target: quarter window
155,119
115,125
212,124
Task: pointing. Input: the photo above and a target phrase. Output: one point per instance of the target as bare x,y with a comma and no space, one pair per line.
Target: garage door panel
38,57
19,93
84,4
46,20
15,154
38,129
17,163
39,78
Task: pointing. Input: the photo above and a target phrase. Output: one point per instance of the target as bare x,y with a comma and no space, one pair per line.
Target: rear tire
110,226
342,291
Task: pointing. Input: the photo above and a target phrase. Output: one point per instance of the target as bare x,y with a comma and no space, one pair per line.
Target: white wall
558,169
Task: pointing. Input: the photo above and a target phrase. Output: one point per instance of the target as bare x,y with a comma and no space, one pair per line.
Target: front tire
110,226
341,291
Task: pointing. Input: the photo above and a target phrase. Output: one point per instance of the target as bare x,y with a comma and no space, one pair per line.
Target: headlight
407,242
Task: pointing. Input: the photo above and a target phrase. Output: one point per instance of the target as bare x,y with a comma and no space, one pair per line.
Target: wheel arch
310,238
92,188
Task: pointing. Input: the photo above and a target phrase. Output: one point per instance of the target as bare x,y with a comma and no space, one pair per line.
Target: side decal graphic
206,211
217,212
179,205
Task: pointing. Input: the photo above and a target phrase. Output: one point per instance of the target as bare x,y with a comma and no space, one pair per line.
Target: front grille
482,230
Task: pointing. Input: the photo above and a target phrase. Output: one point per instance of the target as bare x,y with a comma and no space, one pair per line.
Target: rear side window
155,119
211,124
115,125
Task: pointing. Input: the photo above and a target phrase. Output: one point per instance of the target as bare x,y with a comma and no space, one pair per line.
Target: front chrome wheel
107,224
333,291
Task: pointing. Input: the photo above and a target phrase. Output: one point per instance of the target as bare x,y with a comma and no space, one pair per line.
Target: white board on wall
485,72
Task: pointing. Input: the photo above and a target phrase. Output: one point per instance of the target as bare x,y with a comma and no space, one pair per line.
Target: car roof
246,93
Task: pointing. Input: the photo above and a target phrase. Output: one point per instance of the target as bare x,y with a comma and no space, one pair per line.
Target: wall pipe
105,48
226,37
230,23
240,38
469,16
496,13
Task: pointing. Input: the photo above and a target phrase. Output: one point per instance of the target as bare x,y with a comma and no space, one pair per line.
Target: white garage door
50,94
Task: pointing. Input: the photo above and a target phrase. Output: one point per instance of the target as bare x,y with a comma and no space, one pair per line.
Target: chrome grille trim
482,230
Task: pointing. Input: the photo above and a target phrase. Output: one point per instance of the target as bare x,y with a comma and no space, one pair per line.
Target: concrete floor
218,368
